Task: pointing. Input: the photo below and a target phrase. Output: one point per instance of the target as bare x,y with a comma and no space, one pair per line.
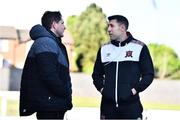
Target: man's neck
54,32
123,37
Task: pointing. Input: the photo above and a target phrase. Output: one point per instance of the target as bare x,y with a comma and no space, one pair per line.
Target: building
15,44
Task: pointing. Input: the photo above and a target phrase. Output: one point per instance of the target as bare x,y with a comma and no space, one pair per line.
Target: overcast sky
156,21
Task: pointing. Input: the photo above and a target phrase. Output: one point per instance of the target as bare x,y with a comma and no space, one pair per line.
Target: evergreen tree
89,31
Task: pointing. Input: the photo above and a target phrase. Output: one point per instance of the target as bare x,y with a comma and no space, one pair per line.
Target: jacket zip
116,85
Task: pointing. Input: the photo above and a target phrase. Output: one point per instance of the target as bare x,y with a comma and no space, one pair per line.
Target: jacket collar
58,39
118,43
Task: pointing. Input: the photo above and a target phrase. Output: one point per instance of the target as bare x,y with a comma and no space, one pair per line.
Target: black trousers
48,115
128,111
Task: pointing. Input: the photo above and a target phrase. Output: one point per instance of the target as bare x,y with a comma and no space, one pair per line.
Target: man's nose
109,29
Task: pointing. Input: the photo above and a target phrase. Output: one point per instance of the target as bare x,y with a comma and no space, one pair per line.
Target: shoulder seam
137,42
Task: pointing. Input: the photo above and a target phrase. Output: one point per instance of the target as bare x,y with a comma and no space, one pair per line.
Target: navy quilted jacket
45,83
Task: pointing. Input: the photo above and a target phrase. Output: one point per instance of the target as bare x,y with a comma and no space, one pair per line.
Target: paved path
82,85
160,91
163,91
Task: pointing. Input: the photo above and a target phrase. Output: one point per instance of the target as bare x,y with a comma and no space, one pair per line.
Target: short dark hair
120,19
49,17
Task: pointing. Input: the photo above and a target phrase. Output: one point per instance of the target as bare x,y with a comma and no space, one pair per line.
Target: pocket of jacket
124,91
108,94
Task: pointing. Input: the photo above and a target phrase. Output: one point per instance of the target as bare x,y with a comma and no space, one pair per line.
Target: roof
7,32
23,35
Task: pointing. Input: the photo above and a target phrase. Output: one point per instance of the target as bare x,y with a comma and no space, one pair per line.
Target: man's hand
133,91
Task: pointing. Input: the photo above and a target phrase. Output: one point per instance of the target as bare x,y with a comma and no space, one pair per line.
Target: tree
165,60
89,31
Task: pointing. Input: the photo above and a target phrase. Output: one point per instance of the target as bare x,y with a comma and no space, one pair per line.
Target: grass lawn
0,105
86,102
95,102
13,106
161,106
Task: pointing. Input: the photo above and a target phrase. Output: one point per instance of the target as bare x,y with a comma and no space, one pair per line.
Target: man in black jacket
46,84
123,68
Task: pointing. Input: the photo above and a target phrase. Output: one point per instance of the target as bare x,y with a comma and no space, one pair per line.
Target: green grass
161,106
0,106
86,102
95,102
13,106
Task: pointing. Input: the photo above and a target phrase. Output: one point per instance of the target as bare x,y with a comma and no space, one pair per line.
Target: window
4,45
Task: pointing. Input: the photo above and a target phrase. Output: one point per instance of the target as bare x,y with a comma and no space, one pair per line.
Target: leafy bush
165,60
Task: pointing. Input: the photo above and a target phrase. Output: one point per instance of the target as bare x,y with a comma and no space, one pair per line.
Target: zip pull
117,105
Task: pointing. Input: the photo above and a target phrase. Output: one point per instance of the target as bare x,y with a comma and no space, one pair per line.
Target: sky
151,21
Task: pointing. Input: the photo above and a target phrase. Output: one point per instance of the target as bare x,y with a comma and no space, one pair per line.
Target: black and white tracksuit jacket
121,66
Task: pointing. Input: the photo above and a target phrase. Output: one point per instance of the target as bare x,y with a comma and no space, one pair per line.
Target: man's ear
53,26
122,27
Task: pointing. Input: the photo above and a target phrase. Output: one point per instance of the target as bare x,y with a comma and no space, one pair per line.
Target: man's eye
111,25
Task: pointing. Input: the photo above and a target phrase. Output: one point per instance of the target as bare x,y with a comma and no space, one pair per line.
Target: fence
5,96
10,79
